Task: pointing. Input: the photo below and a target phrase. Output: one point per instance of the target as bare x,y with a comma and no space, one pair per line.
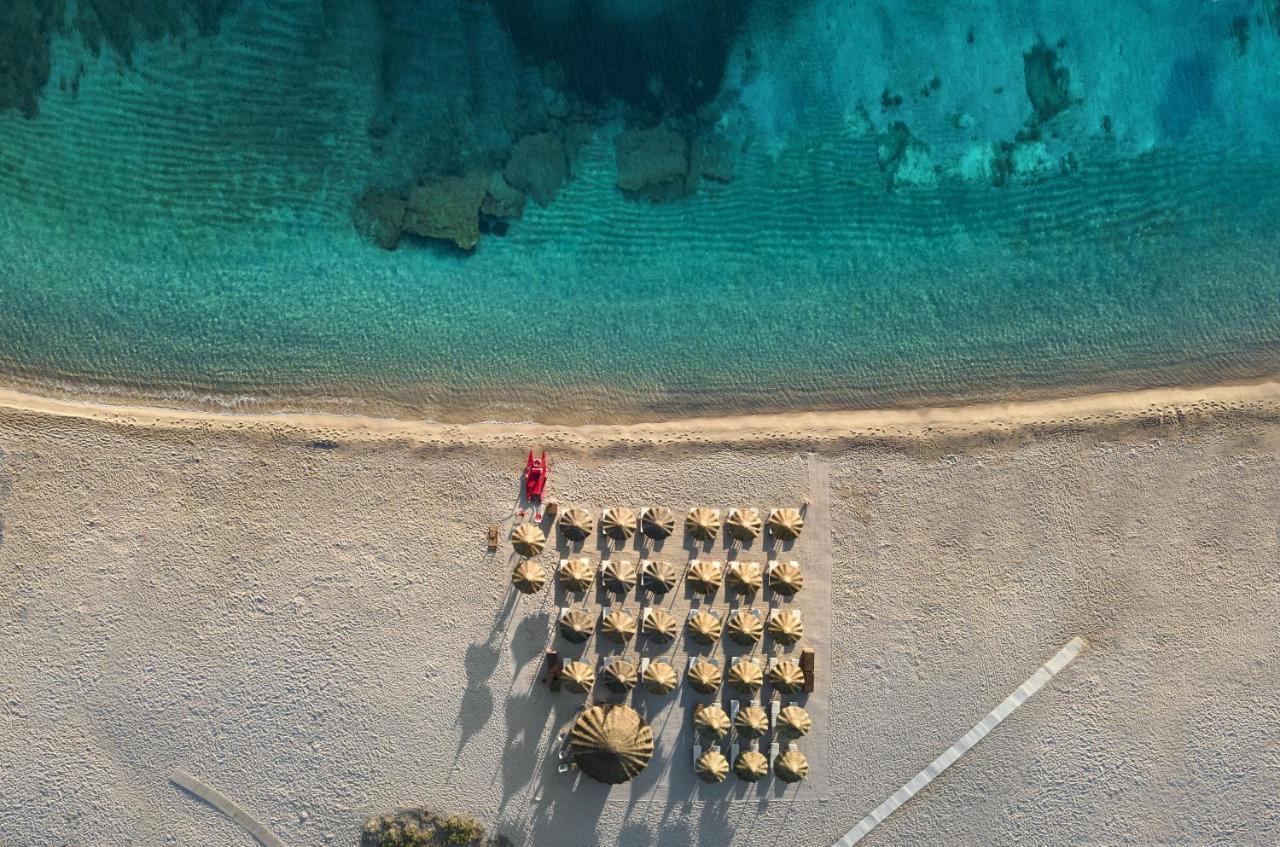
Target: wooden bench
806,665
493,538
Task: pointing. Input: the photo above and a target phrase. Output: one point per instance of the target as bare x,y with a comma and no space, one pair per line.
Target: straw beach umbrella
786,524
619,574
661,626
658,575
576,574
578,677
577,626
786,578
619,626
743,524
745,676
704,576
657,522
786,676
786,627
704,627
712,766
611,743
703,523
660,678
745,577
704,677
712,722
618,522
528,577
576,524
791,766
794,722
752,722
620,675
528,539
751,765
744,627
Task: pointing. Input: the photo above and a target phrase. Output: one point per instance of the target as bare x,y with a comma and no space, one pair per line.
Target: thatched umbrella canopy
752,721
620,675
712,722
791,766
577,626
528,577
703,523
657,522
704,576
786,627
743,524
744,627
611,743
660,678
704,677
786,524
794,722
577,574
786,676
661,626
619,625
745,676
745,577
576,524
528,539
619,574
578,676
751,765
618,522
658,575
704,627
712,766
786,578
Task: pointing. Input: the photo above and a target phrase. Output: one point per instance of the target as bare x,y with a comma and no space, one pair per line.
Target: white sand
319,634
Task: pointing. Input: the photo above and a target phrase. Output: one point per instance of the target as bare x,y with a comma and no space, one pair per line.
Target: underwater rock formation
502,200
379,216
904,158
653,164
25,27
448,208
538,166
1048,82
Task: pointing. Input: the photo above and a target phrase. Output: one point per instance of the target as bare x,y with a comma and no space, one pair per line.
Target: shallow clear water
183,227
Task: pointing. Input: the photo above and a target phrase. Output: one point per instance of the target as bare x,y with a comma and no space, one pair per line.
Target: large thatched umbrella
657,522
704,576
785,524
786,676
577,626
793,722
578,676
618,522
786,627
528,539
660,625
786,578
791,766
703,523
743,524
745,577
752,721
611,743
619,625
660,678
704,677
712,722
620,675
712,766
744,627
528,577
751,765
704,627
658,575
577,574
745,676
619,574
576,524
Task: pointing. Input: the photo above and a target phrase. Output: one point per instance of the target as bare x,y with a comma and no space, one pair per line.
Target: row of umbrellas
621,675
751,766
621,523
659,576
704,627
712,722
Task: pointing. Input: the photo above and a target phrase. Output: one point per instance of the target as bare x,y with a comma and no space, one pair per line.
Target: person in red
535,480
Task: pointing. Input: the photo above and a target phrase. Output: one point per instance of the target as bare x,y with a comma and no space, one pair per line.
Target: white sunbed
697,752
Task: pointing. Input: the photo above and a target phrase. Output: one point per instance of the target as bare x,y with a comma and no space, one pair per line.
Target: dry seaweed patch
422,827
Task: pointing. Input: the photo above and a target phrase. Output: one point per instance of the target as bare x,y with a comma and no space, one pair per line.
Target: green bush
424,828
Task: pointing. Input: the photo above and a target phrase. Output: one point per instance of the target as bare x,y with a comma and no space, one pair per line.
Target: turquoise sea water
181,229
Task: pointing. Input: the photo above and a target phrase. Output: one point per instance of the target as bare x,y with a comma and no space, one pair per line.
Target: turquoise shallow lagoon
182,230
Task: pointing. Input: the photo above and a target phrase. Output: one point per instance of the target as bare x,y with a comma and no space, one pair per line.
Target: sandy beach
300,611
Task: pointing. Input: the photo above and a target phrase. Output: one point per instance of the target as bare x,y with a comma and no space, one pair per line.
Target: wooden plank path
224,804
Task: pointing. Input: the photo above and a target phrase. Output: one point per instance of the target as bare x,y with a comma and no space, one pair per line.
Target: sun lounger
493,537
697,752
773,753
644,666
733,752
774,708
734,707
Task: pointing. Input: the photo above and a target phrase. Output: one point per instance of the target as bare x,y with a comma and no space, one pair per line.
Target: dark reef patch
26,27
1187,94
1048,81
